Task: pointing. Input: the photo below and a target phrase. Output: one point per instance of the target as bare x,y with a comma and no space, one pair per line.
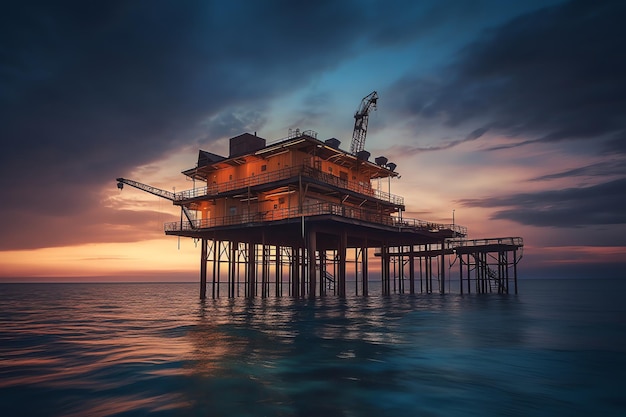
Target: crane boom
360,122
168,195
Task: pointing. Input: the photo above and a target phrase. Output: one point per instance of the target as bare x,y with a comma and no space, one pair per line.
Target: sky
508,115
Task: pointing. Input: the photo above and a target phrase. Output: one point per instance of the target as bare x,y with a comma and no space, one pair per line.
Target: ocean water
557,348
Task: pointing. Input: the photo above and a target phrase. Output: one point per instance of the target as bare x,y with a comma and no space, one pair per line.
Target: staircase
329,280
495,283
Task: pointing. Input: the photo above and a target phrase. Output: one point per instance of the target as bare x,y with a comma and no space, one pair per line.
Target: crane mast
168,195
360,122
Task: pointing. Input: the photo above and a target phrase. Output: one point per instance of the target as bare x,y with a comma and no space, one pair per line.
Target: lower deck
312,256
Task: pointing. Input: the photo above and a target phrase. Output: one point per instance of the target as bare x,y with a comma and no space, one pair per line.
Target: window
281,200
263,167
232,210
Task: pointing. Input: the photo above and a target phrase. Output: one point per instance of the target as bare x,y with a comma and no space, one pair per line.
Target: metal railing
430,226
285,173
512,241
315,210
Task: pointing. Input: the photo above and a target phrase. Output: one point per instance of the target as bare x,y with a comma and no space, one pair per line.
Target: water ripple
138,349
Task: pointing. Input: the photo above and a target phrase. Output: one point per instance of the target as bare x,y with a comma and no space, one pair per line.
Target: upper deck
282,177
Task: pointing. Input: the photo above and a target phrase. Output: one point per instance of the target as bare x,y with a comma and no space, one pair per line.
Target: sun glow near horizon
103,259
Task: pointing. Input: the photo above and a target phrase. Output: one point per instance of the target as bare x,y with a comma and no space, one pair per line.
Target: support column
264,269
506,270
239,252
515,270
421,274
460,259
356,271
203,261
397,271
232,269
428,266
411,270
501,273
295,272
322,272
383,269
393,275
303,271
477,273
219,265
343,242
387,259
251,270
216,244
484,265
278,271
442,281
311,249
469,271
364,273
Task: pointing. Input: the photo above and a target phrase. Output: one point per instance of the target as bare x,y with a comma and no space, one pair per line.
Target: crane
168,195
360,122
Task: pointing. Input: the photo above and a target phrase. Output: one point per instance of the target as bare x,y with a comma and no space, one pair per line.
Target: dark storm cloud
90,90
572,207
412,150
601,169
552,75
232,122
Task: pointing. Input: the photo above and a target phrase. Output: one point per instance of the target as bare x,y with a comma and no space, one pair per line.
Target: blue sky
509,113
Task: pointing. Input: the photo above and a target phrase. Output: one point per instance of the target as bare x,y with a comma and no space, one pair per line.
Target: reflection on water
134,349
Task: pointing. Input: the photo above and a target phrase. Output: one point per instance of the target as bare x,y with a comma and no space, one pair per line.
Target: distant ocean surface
556,349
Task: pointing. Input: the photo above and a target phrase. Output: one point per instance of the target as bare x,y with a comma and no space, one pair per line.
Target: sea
557,348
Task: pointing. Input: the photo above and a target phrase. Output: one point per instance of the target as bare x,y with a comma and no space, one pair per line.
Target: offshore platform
302,217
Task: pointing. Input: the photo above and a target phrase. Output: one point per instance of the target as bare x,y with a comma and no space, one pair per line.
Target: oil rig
301,217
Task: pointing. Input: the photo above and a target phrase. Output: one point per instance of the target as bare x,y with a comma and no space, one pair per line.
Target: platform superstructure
302,217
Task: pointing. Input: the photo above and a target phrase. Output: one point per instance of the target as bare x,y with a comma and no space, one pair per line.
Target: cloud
556,74
437,22
412,150
93,225
601,204
231,122
89,91
600,169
